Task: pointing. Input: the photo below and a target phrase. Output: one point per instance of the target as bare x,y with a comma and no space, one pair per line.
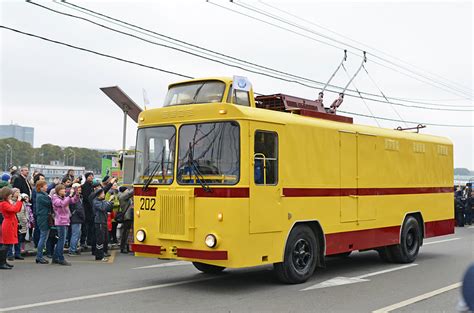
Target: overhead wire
383,94
183,75
113,20
226,62
361,43
362,98
259,11
344,45
95,52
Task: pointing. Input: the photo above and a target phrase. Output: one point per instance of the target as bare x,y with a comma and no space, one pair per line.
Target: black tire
410,242
384,254
300,258
208,268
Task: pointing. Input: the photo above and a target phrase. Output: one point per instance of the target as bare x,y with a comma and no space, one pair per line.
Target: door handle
353,196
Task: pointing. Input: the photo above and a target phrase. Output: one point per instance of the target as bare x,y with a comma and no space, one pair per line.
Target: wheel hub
302,255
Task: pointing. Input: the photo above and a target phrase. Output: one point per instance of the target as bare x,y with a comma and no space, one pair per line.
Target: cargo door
348,172
266,213
368,174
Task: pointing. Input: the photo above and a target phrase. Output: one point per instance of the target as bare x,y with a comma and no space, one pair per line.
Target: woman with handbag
44,218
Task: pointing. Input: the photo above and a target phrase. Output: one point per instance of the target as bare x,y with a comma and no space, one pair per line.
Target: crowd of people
75,213
464,205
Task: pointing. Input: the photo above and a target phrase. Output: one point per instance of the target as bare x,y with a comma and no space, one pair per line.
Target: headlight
211,241
140,235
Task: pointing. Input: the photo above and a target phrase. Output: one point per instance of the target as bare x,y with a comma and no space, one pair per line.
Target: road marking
168,264
418,298
338,281
387,270
105,294
112,257
440,241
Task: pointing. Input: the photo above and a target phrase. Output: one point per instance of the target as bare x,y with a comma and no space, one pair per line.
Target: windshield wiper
193,168
155,169
197,92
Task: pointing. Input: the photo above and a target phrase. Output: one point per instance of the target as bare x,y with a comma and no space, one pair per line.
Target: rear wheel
208,268
300,258
410,242
384,254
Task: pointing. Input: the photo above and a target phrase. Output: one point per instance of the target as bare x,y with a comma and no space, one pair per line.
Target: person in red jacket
10,221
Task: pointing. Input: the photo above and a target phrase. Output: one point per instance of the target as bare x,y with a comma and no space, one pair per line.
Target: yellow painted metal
313,153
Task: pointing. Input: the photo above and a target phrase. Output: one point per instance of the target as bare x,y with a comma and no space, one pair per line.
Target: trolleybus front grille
173,214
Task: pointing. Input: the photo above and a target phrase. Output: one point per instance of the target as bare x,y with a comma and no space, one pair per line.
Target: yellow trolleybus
223,179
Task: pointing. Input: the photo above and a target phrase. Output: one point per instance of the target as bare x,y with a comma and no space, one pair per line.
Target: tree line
22,153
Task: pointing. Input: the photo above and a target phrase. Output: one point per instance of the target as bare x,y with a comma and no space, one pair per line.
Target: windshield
197,92
154,158
209,153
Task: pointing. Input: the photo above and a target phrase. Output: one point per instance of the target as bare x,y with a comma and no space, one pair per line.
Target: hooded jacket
77,211
43,207
10,222
61,209
101,208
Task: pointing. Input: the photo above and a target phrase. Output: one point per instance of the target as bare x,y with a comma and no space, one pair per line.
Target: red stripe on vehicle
439,228
362,239
341,192
146,248
149,192
379,237
202,254
237,192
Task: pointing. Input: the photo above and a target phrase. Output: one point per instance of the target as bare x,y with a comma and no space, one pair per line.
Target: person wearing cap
13,174
101,208
104,186
4,182
77,219
87,228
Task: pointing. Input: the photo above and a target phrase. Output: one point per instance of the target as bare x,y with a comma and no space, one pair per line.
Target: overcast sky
55,89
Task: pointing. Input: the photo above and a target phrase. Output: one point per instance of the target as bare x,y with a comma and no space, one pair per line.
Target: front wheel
300,258
208,268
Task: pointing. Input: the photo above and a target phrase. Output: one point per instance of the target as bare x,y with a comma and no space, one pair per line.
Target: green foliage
25,154
22,152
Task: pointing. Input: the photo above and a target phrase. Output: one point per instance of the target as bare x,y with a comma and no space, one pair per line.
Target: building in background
56,169
18,132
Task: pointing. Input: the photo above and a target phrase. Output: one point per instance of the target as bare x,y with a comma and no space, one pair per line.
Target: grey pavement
88,286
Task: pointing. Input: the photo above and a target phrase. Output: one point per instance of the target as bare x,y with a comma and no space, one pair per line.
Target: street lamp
128,106
11,154
73,153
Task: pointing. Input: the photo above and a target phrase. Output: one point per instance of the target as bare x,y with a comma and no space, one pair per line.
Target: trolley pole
124,139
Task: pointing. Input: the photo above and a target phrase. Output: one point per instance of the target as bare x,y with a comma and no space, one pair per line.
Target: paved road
130,284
